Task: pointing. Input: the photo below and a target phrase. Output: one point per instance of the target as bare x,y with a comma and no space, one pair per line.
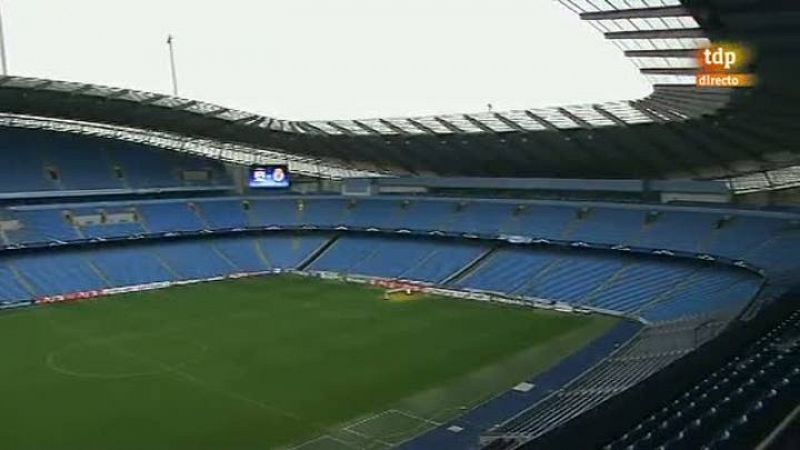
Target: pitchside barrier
87,295
483,296
387,284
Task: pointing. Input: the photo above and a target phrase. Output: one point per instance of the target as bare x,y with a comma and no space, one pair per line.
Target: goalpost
397,290
402,291
405,291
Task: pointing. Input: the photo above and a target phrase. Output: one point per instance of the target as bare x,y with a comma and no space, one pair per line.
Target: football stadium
181,275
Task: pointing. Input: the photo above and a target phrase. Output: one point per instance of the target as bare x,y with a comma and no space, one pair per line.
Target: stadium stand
730,393
652,349
120,188
722,410
65,162
598,278
676,268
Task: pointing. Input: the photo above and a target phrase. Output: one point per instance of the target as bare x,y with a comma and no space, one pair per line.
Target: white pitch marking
321,438
416,417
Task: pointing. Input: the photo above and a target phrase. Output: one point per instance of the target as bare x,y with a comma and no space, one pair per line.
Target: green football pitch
277,362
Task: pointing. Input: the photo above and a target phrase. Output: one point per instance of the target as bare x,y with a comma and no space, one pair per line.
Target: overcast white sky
326,59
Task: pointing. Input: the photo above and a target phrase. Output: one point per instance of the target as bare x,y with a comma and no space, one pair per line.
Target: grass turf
262,363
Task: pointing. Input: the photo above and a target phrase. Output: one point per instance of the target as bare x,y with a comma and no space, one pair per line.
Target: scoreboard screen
269,177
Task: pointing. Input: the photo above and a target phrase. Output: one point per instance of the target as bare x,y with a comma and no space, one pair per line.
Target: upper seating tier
61,162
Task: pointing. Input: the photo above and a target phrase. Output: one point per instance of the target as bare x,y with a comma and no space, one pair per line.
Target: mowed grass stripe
257,363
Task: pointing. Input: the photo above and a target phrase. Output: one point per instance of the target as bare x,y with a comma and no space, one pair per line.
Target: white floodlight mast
172,65
3,62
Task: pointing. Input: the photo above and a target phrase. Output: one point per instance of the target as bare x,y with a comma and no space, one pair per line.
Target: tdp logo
724,65
724,57
720,57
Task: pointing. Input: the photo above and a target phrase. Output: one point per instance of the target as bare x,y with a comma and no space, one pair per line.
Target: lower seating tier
654,288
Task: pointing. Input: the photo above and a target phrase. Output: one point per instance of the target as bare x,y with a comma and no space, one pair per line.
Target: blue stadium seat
107,230
376,214
328,213
508,270
23,174
223,214
678,230
287,252
345,254
274,213
640,284
143,167
130,266
169,217
58,273
11,288
393,258
444,261
480,218
193,260
58,161
610,226
718,289
42,225
427,215
574,278
542,221
242,254
81,166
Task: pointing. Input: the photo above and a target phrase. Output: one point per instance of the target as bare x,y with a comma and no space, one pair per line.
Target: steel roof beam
44,84
366,127
639,13
257,122
392,126
668,71
83,89
706,96
373,152
662,109
421,127
509,122
338,127
690,109
702,137
644,110
153,99
687,53
185,105
543,122
251,118
478,124
662,150
312,129
586,152
449,125
583,124
294,127
117,94
610,116
627,152
657,34
217,112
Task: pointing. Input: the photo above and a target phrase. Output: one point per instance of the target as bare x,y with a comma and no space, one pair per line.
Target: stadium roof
677,131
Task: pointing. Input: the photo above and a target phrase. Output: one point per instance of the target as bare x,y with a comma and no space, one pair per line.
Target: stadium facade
645,209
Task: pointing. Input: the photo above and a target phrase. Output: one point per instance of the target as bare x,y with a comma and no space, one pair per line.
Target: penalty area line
323,438
416,417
